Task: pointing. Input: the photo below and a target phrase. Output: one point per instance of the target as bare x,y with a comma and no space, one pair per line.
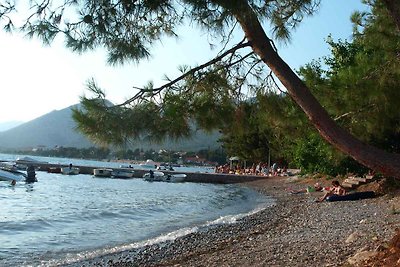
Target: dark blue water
66,218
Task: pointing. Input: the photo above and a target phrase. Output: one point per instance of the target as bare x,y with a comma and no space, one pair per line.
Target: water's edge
101,256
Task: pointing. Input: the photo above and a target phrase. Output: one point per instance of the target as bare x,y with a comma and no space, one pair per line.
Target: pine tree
127,30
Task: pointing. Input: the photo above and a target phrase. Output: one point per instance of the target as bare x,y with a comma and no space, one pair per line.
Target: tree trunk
372,157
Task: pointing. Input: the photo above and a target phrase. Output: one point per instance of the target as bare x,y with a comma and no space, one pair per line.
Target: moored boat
25,162
149,164
153,176
8,166
125,174
70,170
9,176
102,172
165,168
174,178
54,170
161,177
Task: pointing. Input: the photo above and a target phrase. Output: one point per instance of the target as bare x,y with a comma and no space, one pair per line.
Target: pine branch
155,91
353,112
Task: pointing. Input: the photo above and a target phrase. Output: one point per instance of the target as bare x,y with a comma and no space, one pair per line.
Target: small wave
88,255
29,225
229,219
71,259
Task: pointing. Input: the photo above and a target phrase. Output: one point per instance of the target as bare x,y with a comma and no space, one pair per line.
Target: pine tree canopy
207,94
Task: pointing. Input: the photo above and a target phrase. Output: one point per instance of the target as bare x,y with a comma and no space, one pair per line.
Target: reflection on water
29,187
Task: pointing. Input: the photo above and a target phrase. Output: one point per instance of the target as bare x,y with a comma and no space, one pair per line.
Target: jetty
195,177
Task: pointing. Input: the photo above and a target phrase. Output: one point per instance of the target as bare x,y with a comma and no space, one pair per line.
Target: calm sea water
63,219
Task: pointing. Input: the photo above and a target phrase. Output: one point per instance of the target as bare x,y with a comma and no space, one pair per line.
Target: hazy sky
35,80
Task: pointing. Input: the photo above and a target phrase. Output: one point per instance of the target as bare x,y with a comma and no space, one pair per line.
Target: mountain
52,129
57,128
4,126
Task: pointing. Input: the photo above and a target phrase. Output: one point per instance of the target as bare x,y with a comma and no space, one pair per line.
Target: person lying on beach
337,189
315,188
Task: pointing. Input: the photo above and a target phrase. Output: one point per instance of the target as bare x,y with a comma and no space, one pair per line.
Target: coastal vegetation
349,97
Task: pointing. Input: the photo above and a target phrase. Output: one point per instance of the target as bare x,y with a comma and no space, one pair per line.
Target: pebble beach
295,231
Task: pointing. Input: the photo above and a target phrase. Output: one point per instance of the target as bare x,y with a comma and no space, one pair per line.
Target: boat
126,166
102,172
25,162
54,170
149,164
165,168
174,178
125,174
9,176
161,177
8,166
154,176
70,170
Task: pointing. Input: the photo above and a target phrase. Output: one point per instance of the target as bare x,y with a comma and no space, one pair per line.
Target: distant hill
52,129
4,126
57,128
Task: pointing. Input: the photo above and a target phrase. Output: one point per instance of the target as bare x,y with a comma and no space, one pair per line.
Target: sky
37,79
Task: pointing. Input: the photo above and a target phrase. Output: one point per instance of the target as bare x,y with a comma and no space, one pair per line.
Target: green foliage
244,137
359,85
312,154
219,156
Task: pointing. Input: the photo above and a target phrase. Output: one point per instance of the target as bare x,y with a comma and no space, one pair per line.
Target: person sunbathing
336,189
315,188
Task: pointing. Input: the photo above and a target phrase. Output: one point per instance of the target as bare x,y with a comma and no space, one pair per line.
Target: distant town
205,157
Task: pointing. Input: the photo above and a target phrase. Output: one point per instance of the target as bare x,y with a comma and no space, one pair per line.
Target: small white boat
70,170
25,162
126,166
102,172
149,164
28,160
8,166
164,168
174,178
9,176
154,176
125,174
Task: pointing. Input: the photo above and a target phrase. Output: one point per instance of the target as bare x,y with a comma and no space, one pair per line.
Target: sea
61,220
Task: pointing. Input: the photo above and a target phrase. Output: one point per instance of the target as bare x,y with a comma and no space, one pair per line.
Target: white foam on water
71,258
88,255
230,219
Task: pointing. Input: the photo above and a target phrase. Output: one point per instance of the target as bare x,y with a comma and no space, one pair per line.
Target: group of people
255,169
336,189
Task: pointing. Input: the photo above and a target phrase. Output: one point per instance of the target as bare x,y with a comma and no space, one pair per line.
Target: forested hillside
57,128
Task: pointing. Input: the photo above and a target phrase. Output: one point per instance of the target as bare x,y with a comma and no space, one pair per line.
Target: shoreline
295,231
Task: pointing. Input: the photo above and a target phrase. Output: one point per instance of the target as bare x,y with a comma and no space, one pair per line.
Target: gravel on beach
296,231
